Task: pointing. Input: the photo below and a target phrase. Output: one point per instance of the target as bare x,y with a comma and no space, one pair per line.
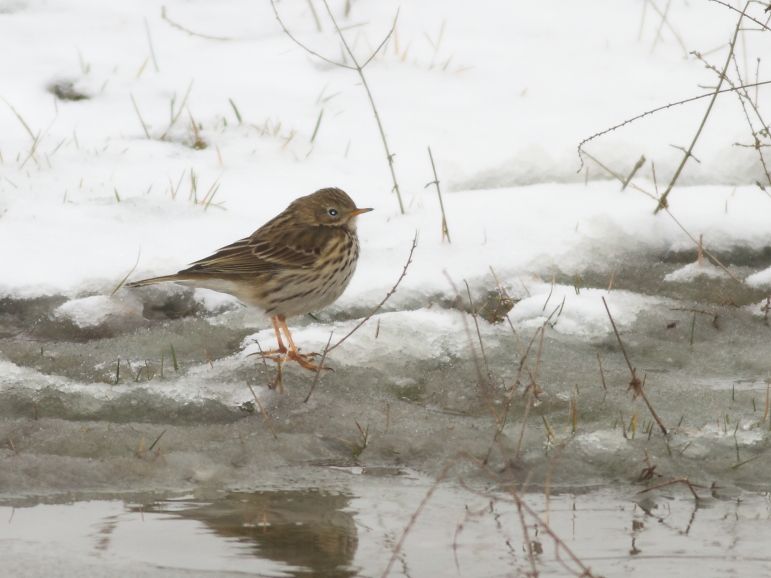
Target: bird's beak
357,212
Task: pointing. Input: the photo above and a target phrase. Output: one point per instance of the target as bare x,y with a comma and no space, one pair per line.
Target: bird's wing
268,249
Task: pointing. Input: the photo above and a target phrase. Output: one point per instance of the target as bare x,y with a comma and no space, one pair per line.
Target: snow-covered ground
136,138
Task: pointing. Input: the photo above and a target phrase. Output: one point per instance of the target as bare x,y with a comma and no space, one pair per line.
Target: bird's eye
332,212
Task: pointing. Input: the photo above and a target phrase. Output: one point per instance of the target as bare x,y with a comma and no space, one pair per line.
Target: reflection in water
306,529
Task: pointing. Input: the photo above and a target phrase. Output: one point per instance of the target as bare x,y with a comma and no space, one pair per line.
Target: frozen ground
107,392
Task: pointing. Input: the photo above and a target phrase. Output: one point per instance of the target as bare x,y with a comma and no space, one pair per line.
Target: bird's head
329,207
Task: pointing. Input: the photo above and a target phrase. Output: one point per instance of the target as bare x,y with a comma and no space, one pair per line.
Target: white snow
692,272
100,309
582,312
760,279
502,94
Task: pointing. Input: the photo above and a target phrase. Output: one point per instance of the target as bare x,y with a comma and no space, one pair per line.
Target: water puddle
353,531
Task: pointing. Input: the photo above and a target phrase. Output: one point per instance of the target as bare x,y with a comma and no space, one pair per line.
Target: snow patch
760,279
581,314
101,310
693,271
215,302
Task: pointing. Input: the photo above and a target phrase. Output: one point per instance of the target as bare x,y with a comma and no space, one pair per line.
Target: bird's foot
271,353
306,361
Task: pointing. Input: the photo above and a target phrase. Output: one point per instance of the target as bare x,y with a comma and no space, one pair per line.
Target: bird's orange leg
277,329
294,354
274,354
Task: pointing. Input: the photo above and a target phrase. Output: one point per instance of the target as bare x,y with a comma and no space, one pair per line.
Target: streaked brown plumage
298,262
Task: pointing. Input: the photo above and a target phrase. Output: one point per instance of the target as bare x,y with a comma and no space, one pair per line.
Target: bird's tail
154,280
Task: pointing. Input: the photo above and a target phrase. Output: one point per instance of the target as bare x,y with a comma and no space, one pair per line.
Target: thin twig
190,32
359,68
478,331
414,517
264,412
634,384
663,199
618,177
747,16
580,147
304,46
320,367
685,481
360,71
445,229
665,22
386,298
640,162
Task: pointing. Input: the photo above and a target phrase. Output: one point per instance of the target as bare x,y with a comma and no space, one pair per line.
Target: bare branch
386,298
747,16
663,199
320,367
383,42
445,229
303,46
635,385
596,135
191,32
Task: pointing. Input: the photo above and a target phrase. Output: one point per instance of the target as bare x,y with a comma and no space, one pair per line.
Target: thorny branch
652,111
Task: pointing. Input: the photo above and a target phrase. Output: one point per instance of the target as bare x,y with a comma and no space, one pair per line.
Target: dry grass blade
386,298
175,115
139,115
152,445
20,119
150,44
122,282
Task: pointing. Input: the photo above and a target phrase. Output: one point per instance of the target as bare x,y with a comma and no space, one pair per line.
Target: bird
298,262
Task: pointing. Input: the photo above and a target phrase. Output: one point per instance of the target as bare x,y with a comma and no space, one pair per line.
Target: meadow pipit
298,262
